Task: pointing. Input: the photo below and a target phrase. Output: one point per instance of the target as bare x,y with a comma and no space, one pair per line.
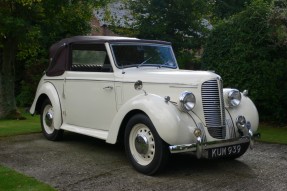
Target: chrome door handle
108,87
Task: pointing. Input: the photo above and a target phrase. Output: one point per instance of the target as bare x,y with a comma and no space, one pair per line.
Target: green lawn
271,134
14,181
18,127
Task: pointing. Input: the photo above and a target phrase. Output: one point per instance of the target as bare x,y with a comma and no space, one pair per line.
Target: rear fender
48,89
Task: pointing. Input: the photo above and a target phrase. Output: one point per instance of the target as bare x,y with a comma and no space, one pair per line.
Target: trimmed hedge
249,53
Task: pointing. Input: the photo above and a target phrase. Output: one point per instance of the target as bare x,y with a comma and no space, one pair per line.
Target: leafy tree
14,26
181,22
58,20
28,28
223,9
249,51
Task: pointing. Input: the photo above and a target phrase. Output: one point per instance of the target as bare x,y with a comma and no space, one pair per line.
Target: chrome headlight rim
233,98
187,101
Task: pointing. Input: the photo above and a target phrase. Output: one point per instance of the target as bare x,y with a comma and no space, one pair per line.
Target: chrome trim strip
177,85
183,86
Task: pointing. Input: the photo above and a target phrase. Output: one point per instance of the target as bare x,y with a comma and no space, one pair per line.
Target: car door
89,88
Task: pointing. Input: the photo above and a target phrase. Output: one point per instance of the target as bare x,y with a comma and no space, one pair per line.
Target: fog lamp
197,132
241,122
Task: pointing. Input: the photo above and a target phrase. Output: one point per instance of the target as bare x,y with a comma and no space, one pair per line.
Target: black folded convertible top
59,52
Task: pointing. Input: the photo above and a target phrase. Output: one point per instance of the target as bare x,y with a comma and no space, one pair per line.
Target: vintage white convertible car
131,90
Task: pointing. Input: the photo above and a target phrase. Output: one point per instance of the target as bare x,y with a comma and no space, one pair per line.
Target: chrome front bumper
201,148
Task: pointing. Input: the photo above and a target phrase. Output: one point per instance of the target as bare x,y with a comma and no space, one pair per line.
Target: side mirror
138,85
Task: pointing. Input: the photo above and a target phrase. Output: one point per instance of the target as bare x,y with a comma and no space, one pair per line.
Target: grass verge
19,127
271,134
14,181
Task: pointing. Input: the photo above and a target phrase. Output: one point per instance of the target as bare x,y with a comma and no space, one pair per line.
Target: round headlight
234,98
187,101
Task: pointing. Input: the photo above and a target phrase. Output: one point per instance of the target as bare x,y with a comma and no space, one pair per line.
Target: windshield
139,55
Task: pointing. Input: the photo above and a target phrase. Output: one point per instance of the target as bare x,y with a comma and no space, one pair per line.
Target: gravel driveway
83,163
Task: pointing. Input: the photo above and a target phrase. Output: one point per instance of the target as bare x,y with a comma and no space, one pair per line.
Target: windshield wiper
166,65
144,62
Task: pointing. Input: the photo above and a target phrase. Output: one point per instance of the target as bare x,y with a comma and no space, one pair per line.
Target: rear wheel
147,152
47,122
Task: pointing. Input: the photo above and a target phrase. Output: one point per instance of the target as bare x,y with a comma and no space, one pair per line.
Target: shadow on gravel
189,162
74,138
178,163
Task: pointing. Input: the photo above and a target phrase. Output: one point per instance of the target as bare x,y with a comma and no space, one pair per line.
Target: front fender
248,110
173,126
50,91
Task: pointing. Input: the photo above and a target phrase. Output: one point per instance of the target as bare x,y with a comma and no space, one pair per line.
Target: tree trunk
8,108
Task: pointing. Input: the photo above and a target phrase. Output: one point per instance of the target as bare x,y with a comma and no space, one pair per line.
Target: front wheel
147,152
47,122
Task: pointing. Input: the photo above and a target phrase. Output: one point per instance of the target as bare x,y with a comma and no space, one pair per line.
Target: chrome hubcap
141,144
49,118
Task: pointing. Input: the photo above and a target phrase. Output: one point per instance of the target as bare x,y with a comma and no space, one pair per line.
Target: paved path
83,163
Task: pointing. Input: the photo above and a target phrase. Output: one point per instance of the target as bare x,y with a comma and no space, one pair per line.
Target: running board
86,131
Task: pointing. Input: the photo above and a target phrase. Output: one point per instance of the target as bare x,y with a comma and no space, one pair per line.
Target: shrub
246,52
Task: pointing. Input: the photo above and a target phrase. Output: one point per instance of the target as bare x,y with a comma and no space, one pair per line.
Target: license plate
224,151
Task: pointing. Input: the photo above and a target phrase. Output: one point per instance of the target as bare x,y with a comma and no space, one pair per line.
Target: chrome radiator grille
213,108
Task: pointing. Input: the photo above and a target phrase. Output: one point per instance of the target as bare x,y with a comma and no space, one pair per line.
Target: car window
90,58
138,55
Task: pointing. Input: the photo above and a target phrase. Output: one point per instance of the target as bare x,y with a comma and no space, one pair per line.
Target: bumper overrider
221,148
